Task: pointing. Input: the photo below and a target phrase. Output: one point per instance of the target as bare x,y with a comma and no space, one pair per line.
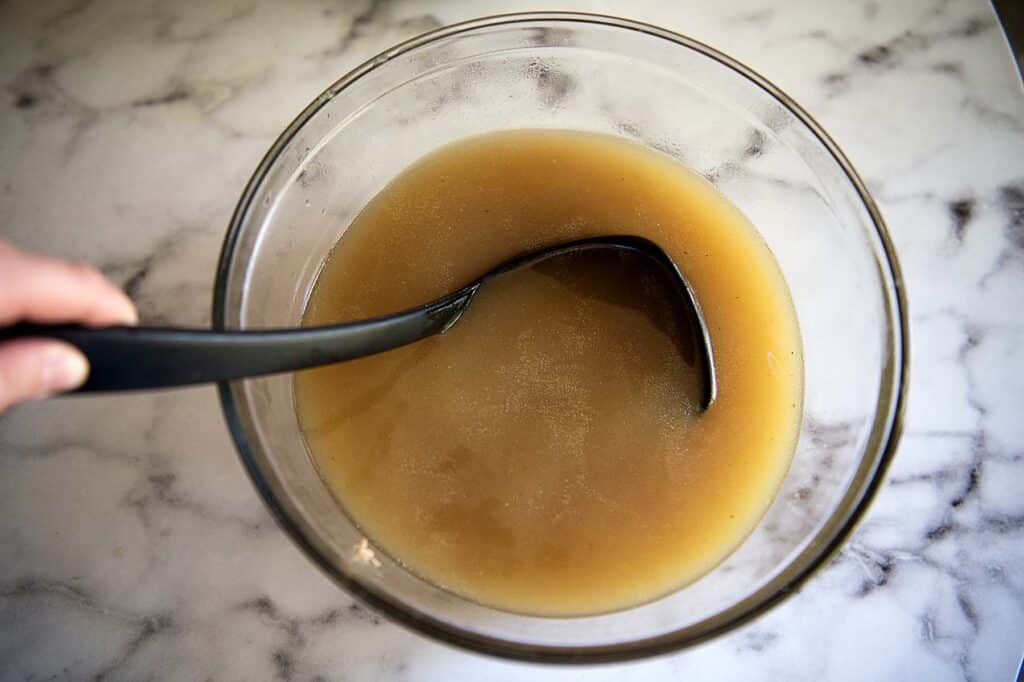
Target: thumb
36,368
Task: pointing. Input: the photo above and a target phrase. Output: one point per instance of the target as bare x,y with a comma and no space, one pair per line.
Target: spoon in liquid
128,358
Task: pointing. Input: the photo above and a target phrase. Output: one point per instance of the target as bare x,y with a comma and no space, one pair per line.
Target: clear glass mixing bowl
668,92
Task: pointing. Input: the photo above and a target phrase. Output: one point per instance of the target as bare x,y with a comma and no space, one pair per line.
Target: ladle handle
131,358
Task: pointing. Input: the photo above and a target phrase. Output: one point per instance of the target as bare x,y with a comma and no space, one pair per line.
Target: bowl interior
609,76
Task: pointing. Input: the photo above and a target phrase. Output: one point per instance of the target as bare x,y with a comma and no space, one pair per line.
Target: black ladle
127,358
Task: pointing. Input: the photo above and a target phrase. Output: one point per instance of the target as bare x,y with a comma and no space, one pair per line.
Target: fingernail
64,369
131,315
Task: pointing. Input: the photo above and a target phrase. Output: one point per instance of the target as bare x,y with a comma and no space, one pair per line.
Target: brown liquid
546,455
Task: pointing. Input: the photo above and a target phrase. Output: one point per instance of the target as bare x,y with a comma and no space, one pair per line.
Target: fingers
36,368
46,290
40,289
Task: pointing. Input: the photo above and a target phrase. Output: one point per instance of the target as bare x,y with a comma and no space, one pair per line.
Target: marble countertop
132,545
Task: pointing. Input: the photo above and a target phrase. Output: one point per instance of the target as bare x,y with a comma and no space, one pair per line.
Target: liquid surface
547,455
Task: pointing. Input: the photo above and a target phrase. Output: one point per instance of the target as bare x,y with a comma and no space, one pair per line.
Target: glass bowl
666,91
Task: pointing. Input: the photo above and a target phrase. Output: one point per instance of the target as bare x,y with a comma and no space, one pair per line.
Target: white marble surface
132,546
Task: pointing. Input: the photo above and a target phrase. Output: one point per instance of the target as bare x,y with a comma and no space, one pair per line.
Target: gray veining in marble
132,546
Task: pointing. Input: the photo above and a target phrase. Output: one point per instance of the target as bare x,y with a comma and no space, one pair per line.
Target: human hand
35,288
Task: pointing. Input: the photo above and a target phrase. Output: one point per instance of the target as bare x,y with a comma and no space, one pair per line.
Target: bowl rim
867,480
